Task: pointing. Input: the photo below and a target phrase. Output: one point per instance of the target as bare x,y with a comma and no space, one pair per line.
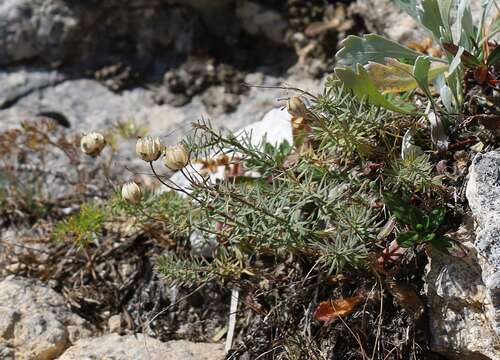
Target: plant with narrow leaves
183,271
84,226
314,202
413,173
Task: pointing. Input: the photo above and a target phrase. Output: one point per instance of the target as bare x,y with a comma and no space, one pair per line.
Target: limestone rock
384,17
275,127
89,106
34,320
17,83
464,293
257,20
483,194
86,32
456,297
85,103
6,351
40,336
98,33
115,323
33,27
141,346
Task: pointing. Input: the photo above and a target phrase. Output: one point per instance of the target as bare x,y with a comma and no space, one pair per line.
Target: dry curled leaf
407,298
329,310
489,121
291,160
300,132
426,46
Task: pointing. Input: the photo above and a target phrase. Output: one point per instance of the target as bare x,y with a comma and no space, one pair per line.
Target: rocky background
159,64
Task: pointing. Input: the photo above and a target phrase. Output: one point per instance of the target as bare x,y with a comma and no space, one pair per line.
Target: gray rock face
83,102
34,320
33,27
89,106
17,83
483,194
456,299
141,346
257,20
86,32
464,293
384,17
56,31
6,352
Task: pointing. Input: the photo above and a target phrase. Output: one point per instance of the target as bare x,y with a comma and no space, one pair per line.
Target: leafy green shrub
320,199
84,226
322,203
422,227
167,209
354,190
372,65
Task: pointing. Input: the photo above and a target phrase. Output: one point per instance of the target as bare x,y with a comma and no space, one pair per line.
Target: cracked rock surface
35,322
456,297
464,292
483,194
141,346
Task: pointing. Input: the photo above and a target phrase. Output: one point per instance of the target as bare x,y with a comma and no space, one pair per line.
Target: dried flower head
176,157
148,148
131,192
92,144
296,107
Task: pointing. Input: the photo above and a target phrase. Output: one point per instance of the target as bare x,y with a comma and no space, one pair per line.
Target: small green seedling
421,228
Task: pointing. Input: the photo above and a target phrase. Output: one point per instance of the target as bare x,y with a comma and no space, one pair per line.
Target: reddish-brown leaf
467,58
489,121
331,309
407,298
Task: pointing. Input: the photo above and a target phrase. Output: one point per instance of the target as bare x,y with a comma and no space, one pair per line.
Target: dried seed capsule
176,157
296,107
92,144
148,148
131,192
